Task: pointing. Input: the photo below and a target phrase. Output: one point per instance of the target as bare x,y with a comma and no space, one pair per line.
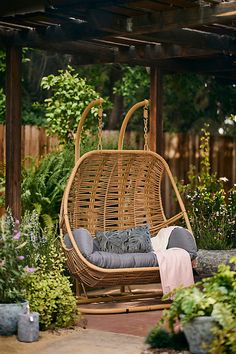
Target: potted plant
207,312
12,273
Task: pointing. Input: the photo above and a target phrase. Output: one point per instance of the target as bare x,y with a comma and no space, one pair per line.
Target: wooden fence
181,151
35,143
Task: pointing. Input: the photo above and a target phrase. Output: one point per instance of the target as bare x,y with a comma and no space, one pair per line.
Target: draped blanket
175,269
175,263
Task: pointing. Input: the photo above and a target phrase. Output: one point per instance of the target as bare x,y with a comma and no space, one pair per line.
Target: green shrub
47,288
213,296
70,94
50,294
160,338
211,209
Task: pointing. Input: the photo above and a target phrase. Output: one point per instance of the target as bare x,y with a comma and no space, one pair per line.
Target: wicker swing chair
114,190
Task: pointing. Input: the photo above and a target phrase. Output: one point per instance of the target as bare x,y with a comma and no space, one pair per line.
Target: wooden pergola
167,35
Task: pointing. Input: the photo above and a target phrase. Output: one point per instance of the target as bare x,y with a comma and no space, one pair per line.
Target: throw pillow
182,238
83,239
133,240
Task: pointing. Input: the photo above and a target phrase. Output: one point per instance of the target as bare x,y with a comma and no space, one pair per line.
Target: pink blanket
175,269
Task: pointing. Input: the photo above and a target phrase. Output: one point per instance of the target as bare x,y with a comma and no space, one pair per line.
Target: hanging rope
145,123
100,112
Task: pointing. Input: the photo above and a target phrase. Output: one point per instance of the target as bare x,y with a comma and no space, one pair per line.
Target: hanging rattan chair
114,190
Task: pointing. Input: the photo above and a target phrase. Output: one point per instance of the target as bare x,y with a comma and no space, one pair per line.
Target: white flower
224,179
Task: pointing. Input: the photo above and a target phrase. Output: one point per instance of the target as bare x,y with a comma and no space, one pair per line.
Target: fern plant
43,184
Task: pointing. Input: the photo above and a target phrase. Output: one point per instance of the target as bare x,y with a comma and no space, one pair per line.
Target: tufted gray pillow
133,240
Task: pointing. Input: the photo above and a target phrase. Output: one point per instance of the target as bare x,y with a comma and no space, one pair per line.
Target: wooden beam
131,27
105,52
140,55
13,130
200,65
164,20
156,111
11,7
158,52
194,39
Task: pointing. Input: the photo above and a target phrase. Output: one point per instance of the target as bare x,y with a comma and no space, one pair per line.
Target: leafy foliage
189,99
43,185
2,105
31,113
12,266
212,210
39,241
2,61
215,297
50,294
160,338
48,289
70,95
185,102
134,85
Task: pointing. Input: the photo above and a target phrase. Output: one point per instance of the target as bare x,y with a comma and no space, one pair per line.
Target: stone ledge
208,260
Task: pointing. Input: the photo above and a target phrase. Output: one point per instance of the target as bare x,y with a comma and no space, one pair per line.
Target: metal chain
100,111
145,121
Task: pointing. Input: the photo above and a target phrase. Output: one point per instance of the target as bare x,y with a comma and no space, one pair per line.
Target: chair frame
121,164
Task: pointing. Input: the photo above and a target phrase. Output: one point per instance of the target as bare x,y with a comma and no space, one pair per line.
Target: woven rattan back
113,190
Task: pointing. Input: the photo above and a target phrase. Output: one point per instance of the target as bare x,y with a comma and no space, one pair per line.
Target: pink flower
17,236
29,270
20,258
2,262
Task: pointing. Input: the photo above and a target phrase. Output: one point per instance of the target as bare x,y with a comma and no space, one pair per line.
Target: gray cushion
133,240
124,260
182,238
83,239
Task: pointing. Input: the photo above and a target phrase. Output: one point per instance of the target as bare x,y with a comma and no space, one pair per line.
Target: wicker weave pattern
114,190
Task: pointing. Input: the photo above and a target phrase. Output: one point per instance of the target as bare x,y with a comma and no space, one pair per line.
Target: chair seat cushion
123,260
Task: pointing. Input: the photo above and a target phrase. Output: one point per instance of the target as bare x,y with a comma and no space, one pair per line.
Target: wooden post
13,130
156,120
